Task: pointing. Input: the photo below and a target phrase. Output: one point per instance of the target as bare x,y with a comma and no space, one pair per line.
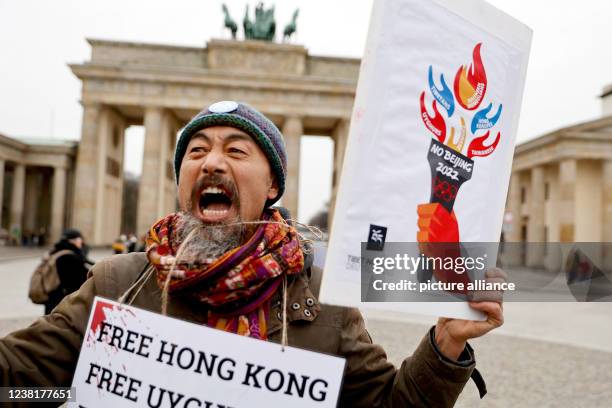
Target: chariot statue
262,26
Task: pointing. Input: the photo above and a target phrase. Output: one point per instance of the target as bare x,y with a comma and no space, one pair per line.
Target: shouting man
222,261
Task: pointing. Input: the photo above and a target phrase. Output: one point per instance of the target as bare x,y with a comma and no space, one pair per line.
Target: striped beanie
241,116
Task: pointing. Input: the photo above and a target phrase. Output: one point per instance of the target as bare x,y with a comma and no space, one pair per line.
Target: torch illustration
450,165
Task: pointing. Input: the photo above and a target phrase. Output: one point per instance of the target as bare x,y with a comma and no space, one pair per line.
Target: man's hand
452,334
437,225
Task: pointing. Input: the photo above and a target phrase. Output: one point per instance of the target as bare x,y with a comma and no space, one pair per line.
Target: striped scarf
237,286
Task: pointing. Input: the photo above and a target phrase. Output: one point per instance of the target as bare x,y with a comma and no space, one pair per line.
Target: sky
570,61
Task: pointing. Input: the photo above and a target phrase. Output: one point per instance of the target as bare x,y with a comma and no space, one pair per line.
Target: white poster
434,122
134,358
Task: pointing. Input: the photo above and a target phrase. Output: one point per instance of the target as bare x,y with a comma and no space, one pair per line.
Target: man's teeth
213,190
214,213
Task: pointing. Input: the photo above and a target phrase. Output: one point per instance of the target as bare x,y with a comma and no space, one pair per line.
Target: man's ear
273,190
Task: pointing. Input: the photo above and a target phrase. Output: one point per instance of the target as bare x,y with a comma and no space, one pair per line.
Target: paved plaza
545,355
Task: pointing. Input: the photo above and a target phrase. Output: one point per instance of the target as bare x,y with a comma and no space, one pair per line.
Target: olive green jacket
46,353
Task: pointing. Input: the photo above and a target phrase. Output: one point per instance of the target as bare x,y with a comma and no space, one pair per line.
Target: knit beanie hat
241,116
71,233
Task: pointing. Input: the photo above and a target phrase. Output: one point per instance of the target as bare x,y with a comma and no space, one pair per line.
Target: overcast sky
571,60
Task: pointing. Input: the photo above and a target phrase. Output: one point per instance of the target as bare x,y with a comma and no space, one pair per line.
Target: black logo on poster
376,238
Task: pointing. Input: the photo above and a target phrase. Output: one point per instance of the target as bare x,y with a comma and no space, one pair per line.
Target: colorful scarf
236,287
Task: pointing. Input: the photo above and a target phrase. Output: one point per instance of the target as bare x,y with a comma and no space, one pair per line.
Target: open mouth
215,203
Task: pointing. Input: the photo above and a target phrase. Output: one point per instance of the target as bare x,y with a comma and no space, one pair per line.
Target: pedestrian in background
132,243
119,246
72,267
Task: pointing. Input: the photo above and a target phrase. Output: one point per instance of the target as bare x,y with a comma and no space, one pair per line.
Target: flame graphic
435,124
482,122
468,91
471,83
457,146
444,96
478,149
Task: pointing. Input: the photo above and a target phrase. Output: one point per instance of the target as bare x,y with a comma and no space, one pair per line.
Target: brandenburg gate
161,87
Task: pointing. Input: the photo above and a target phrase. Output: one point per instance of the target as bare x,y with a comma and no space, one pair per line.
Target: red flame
478,149
471,83
435,124
98,315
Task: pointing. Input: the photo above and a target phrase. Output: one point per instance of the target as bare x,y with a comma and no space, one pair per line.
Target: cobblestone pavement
9,253
545,355
16,268
519,372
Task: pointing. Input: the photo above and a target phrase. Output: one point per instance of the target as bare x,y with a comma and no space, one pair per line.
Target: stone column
165,182
292,131
109,197
512,234
536,228
31,199
607,214
567,197
340,136
17,199
86,173
2,163
58,197
168,204
101,209
153,170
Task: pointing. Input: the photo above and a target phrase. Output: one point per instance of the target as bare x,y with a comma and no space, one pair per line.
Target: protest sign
132,358
434,122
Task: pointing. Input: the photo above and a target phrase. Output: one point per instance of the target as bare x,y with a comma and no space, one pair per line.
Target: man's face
224,177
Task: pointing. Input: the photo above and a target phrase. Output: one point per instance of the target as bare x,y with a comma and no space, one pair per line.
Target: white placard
437,105
132,357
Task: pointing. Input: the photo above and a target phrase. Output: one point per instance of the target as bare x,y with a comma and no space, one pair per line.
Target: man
132,243
200,266
71,266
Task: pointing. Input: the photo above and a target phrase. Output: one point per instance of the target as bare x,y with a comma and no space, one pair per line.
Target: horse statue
229,21
291,27
247,24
